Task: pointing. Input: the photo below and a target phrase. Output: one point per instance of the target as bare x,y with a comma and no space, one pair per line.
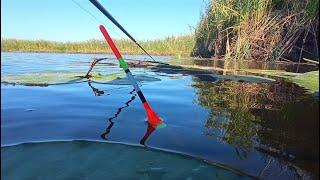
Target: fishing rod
152,117
109,16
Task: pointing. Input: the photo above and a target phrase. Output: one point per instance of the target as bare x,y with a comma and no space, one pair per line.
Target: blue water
199,125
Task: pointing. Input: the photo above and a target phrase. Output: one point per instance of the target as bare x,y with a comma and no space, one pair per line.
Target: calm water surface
268,130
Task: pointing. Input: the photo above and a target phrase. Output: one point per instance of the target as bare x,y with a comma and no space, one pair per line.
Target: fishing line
120,36
111,18
96,19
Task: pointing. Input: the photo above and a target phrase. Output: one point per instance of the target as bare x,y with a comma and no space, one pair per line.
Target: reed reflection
277,119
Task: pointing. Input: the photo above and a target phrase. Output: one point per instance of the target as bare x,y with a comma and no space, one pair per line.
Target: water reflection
111,119
225,65
149,131
276,119
96,91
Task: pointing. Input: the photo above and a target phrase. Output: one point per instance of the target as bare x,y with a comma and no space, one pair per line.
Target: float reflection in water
111,119
149,131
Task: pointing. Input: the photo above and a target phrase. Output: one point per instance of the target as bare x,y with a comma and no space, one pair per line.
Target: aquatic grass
175,45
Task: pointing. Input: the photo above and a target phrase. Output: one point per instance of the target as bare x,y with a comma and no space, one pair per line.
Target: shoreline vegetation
175,46
267,30
260,30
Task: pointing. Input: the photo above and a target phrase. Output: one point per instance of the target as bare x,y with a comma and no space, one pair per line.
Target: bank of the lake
176,46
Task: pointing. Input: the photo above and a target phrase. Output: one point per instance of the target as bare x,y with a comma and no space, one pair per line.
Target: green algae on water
308,80
56,78
43,78
245,78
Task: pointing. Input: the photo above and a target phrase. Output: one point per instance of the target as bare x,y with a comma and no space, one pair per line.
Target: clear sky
63,20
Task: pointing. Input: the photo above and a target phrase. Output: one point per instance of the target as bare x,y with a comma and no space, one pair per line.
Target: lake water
267,130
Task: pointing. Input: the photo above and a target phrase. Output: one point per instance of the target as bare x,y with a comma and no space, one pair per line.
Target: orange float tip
153,118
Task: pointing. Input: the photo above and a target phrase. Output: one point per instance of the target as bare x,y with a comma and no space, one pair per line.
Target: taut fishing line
115,32
120,36
95,18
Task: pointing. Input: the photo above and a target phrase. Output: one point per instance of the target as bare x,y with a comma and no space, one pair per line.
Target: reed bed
178,46
259,30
